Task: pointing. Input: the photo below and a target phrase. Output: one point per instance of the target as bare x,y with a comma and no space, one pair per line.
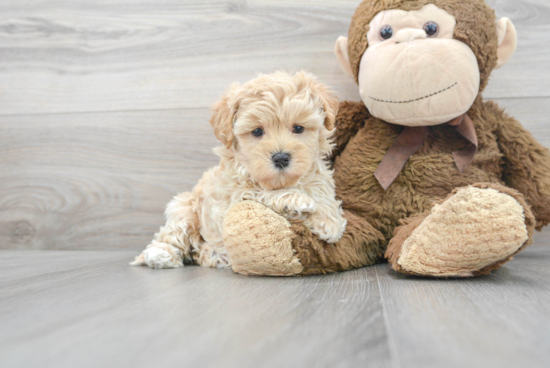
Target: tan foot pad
471,230
259,241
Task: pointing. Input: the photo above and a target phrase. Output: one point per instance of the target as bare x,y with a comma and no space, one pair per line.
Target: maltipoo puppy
276,132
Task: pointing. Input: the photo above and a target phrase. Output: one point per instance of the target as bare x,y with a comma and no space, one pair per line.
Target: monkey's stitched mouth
416,99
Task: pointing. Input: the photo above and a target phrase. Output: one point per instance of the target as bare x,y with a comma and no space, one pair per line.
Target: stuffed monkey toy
432,178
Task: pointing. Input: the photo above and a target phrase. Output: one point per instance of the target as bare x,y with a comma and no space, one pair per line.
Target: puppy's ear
330,103
224,113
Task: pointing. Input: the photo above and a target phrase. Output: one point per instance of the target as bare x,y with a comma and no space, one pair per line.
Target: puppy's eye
258,132
298,129
431,29
386,32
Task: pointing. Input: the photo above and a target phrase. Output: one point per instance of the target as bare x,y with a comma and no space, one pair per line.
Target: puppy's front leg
173,243
159,255
290,203
327,222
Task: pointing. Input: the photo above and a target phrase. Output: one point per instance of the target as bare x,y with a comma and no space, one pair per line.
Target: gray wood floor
89,309
104,110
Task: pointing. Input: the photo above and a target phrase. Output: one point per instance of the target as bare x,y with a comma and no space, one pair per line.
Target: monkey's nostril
280,159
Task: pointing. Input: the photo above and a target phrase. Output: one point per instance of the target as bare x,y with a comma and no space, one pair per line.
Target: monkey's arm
351,117
526,164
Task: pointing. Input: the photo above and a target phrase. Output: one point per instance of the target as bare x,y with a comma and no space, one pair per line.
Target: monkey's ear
341,51
225,111
507,41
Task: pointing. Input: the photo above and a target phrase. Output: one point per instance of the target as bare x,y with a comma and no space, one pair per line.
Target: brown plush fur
360,245
351,117
475,27
508,155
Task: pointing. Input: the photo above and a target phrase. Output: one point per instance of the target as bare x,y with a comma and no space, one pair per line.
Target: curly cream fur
304,190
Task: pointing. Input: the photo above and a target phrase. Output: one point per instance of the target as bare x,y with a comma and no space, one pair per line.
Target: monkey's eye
258,132
298,129
386,32
431,29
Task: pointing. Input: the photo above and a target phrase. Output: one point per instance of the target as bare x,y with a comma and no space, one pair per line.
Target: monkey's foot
259,241
474,231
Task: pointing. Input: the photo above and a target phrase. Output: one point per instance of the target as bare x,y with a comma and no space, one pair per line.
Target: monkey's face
414,73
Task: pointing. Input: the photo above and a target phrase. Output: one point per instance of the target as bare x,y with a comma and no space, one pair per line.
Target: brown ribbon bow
412,138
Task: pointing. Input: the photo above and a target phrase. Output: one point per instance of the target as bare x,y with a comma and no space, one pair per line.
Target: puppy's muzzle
280,160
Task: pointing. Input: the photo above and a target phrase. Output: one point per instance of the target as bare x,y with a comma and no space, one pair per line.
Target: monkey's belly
426,177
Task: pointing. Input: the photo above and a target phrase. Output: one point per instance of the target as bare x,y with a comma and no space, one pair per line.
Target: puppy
275,131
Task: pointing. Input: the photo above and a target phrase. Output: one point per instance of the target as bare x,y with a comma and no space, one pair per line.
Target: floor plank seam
394,356
111,111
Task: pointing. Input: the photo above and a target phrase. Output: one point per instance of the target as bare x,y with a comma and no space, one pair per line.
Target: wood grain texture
104,313
501,320
102,180
80,56
97,181
89,309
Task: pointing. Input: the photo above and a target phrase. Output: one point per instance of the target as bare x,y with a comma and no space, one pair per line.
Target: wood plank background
104,106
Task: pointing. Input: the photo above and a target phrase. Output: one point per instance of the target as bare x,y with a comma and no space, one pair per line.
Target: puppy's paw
327,229
159,257
139,261
298,206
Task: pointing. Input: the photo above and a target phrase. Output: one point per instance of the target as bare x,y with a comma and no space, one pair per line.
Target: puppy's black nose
281,159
